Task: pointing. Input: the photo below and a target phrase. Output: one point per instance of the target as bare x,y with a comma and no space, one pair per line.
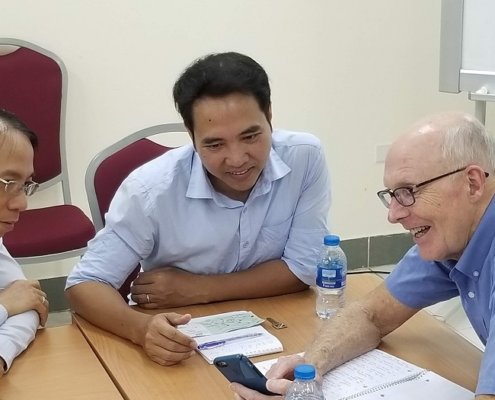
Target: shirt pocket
272,240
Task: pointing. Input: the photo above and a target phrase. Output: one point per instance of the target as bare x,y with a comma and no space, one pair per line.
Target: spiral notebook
377,375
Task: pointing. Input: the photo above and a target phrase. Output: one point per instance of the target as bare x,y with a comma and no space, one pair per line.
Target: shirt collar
479,244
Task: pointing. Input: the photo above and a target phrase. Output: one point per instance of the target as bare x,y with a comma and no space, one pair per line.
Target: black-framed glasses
14,187
405,194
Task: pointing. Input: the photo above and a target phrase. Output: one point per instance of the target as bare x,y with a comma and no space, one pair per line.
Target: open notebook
231,333
377,375
254,341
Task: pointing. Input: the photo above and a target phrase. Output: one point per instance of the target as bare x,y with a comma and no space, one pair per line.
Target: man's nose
237,156
18,202
396,211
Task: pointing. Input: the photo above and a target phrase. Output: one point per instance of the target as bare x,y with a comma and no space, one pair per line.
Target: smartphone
238,368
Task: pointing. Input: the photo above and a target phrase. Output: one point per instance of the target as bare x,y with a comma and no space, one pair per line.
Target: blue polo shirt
418,283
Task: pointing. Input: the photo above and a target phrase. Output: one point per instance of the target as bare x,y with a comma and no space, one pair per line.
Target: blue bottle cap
305,372
331,240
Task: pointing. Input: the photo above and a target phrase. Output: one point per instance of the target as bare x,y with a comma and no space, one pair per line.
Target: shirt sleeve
119,247
309,224
15,335
17,331
419,283
486,383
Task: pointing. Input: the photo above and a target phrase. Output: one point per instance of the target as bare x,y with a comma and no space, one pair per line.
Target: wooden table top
59,364
423,341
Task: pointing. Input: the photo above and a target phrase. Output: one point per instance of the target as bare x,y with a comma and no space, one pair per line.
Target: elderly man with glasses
23,305
440,187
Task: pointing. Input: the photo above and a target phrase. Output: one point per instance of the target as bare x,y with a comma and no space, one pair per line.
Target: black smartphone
238,368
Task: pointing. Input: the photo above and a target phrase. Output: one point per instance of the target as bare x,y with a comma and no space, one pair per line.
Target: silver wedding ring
148,298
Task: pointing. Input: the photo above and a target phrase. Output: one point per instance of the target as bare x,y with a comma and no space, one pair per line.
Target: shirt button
245,244
471,295
476,273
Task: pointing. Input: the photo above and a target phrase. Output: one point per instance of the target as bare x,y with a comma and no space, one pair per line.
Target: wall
353,72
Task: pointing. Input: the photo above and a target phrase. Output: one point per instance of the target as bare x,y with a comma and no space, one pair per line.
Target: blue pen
218,343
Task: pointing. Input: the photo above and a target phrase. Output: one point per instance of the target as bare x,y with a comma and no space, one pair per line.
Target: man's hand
23,295
163,343
279,376
164,288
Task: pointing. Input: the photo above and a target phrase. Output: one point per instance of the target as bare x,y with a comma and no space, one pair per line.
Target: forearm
348,334
270,278
103,306
485,397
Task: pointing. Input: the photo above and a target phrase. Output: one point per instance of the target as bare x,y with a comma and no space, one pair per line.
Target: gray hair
466,141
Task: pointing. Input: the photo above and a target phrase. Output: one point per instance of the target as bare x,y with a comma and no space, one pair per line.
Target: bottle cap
331,240
304,372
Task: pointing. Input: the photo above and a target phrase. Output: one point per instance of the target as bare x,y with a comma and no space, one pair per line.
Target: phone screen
238,368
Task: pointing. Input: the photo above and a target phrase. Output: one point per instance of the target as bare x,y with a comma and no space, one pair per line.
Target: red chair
112,165
33,85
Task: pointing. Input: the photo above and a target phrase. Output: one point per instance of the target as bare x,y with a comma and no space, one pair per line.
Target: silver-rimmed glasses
14,187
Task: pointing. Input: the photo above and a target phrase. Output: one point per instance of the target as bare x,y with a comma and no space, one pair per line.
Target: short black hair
14,123
218,75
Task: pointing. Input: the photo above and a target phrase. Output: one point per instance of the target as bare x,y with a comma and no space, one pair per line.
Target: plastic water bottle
304,387
330,277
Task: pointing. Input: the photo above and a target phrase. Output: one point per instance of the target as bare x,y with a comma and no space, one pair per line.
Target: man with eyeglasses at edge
23,305
441,186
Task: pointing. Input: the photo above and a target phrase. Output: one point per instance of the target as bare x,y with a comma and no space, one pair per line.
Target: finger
279,386
166,357
178,319
249,394
144,278
34,283
169,332
284,367
141,288
44,312
140,299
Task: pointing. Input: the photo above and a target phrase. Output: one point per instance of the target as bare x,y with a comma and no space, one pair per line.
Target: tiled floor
450,312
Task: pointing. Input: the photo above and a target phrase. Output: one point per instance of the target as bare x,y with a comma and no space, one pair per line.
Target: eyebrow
14,174
251,129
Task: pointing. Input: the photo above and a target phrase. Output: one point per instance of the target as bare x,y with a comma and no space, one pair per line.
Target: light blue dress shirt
18,331
166,213
418,283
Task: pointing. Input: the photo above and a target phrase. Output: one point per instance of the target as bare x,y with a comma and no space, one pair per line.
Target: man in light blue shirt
238,214
440,179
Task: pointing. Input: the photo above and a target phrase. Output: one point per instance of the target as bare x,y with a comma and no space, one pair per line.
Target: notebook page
266,343
428,386
372,369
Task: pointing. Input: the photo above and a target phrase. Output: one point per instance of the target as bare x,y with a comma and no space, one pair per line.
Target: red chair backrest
31,88
116,167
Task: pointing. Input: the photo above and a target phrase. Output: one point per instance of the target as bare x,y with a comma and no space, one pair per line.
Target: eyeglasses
15,187
405,195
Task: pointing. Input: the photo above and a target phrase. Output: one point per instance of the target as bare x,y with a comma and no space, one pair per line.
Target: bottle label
330,278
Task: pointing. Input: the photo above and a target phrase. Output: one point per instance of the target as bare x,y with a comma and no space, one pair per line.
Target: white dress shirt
18,331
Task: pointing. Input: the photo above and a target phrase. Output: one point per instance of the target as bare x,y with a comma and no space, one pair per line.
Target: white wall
353,72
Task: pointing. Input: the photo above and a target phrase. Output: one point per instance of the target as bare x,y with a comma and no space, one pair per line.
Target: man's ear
476,179
191,135
269,114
